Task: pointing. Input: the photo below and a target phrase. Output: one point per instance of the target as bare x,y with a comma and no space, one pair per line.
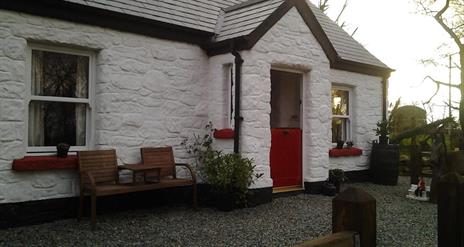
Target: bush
226,173
229,174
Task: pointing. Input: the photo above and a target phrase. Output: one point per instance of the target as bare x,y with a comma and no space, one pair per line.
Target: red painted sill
224,134
41,163
344,152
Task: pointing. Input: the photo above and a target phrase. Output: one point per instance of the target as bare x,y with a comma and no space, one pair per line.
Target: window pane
53,122
340,102
58,74
339,129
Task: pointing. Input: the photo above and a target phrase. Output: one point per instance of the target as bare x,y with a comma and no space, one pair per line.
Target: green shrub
226,173
229,173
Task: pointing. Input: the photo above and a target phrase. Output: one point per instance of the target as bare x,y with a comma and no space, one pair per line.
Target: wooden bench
99,176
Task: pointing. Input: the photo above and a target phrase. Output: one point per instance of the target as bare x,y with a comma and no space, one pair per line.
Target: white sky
395,33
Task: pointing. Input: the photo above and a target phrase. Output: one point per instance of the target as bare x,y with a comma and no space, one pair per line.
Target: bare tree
324,7
449,14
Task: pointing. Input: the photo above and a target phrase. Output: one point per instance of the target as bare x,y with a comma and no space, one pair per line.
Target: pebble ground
284,222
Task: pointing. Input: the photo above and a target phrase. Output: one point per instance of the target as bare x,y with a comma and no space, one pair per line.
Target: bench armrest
89,175
192,172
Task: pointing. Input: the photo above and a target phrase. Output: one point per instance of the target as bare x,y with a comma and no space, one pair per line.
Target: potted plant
337,177
340,144
349,144
62,150
384,159
383,131
229,175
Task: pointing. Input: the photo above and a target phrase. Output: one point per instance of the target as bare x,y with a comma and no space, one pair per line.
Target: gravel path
284,222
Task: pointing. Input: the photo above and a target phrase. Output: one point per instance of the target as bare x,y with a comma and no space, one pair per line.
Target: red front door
286,157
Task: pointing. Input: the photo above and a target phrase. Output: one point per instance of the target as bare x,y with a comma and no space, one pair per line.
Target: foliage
229,173
383,128
337,175
200,145
449,14
324,6
427,129
226,173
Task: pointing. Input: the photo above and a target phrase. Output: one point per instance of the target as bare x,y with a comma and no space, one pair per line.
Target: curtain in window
36,117
81,92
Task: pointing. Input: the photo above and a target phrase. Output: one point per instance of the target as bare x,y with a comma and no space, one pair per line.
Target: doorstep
285,189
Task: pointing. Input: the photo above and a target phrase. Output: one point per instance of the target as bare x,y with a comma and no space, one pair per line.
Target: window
228,89
341,114
60,99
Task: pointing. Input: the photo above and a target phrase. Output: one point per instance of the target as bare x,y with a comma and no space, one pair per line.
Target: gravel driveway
284,222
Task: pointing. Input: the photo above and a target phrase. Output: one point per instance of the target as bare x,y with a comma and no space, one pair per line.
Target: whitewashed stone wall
367,105
149,92
152,92
218,84
289,44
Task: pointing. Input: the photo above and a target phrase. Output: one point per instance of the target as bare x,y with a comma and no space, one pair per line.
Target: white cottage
130,73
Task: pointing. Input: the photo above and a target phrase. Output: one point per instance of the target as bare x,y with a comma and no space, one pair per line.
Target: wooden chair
97,169
164,158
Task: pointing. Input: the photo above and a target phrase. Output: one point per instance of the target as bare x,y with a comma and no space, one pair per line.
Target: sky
398,35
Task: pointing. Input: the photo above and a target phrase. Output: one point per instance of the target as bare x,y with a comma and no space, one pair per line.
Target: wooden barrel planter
384,164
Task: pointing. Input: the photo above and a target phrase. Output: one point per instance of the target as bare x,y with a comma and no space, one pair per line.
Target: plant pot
337,186
383,140
384,164
62,150
329,189
225,201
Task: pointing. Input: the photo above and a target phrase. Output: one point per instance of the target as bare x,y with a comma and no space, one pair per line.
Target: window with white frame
341,114
60,98
228,89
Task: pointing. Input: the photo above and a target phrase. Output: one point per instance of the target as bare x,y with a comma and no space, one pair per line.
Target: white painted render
154,92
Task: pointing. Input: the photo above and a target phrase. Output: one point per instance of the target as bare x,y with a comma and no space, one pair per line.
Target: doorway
286,133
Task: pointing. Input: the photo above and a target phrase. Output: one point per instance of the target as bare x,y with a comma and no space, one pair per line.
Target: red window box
224,134
344,152
40,163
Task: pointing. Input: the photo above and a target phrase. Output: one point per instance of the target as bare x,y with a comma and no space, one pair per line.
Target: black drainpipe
384,97
238,81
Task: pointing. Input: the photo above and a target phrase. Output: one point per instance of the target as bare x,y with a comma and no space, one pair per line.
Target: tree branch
439,18
440,82
341,11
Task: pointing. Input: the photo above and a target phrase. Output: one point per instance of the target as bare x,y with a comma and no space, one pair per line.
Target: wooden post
450,210
415,160
355,210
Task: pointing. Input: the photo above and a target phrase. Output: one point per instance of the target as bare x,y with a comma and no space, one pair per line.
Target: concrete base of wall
353,177
37,212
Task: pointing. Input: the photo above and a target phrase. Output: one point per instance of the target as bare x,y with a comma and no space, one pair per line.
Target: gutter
238,82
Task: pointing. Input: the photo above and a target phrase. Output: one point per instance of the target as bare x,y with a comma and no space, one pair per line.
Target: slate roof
347,47
196,14
215,25
242,21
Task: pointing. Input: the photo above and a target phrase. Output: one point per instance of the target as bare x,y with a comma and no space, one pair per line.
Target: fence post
355,210
450,210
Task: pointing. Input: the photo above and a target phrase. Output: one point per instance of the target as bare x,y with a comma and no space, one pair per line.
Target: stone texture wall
152,92
367,104
287,45
290,45
149,92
